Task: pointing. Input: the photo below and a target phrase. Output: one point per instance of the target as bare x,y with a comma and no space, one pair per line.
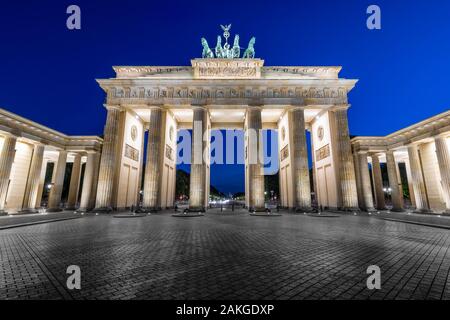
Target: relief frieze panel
161,93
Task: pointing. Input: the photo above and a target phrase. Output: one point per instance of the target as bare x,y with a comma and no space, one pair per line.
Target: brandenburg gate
225,91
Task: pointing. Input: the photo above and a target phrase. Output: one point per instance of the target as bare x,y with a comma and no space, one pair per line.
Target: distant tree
239,196
183,183
272,185
213,192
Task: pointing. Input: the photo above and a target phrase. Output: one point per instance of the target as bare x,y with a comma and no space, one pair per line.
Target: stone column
300,161
153,167
365,181
6,160
197,190
359,188
410,185
443,157
347,180
393,181
41,183
313,158
378,183
34,177
255,167
418,183
87,201
400,183
74,183
54,199
108,161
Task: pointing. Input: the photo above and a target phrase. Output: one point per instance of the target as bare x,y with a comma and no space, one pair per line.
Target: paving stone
225,257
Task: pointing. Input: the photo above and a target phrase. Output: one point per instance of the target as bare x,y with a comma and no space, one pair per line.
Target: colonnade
23,167
427,166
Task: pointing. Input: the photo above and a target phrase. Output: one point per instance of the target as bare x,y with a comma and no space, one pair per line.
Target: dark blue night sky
49,72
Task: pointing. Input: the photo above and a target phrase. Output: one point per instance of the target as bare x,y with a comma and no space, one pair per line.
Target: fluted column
6,160
74,183
34,177
443,157
347,179
359,189
400,184
54,199
255,167
197,189
393,181
153,167
418,183
410,184
41,183
365,181
108,162
87,201
300,160
378,183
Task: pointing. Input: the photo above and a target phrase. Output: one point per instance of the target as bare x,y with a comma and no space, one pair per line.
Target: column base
53,210
3,213
369,209
355,209
258,209
148,210
190,212
28,211
422,211
103,210
397,210
195,209
83,210
304,210
263,212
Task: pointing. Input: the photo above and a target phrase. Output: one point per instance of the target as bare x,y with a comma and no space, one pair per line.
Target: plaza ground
224,256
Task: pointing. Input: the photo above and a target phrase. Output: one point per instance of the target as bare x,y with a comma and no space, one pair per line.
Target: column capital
76,154
442,135
113,107
255,103
294,107
390,151
199,106
86,152
374,154
414,145
40,143
11,134
338,107
155,106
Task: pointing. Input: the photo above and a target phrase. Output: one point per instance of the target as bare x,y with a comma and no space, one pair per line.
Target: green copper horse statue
207,52
249,53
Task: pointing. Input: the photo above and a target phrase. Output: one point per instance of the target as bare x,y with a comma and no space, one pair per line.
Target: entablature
32,131
221,92
419,132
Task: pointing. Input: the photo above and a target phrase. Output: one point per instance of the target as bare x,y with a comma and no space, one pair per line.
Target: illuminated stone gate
235,93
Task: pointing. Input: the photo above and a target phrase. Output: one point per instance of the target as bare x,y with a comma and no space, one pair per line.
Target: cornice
22,127
414,134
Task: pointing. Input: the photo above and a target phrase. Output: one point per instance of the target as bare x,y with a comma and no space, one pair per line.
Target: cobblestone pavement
19,219
225,257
